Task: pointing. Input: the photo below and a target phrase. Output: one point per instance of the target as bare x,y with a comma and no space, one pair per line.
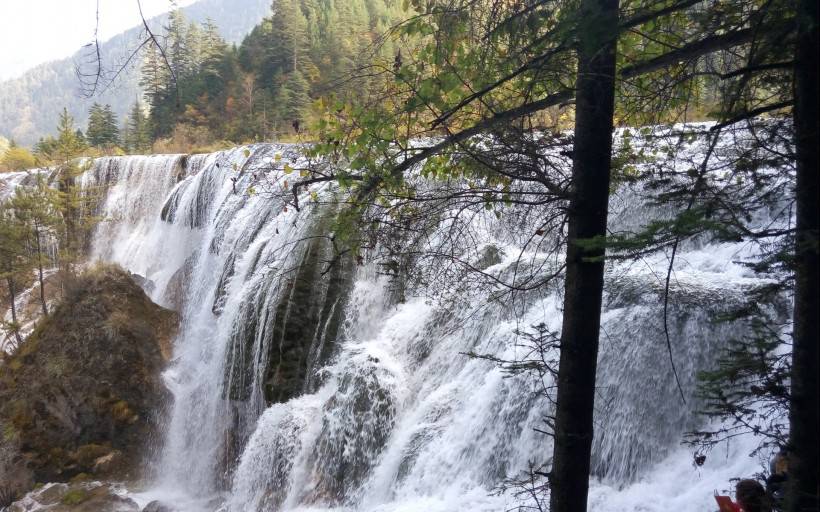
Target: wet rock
355,426
15,477
75,497
489,256
143,282
298,330
178,284
158,506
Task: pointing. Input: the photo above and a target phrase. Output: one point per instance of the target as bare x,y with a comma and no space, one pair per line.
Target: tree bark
803,413
13,297
587,218
40,269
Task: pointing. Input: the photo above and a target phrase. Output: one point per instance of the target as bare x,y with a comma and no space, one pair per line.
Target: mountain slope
30,104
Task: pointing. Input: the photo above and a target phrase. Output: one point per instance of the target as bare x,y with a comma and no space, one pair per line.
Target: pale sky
37,31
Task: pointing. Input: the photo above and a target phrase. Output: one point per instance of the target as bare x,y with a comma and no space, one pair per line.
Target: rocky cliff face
84,393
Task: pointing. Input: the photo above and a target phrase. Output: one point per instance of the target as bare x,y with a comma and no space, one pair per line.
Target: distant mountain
30,104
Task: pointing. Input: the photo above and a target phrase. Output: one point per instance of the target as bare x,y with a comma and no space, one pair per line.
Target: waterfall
299,387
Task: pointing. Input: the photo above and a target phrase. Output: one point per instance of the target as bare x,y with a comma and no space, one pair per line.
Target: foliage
14,262
69,201
748,391
17,158
136,136
266,87
69,142
103,130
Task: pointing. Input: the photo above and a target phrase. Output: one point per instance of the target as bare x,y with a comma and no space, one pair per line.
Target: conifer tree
95,132
13,262
102,131
70,199
34,210
68,143
137,133
110,126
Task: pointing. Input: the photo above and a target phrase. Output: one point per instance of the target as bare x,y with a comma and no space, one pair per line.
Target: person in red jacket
750,495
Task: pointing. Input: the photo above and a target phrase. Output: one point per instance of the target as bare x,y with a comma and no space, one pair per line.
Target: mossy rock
80,477
74,497
87,454
87,381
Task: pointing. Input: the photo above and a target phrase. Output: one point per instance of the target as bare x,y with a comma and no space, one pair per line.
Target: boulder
84,394
157,506
75,497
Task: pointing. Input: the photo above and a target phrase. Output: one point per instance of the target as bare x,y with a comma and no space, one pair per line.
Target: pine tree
193,49
584,281
34,209
179,54
293,99
289,49
70,199
110,127
102,131
155,76
69,142
137,133
212,46
13,262
805,407
95,133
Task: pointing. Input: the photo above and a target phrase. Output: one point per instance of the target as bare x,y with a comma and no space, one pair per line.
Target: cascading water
296,388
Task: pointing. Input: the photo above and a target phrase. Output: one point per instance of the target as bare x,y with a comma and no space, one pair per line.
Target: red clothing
727,505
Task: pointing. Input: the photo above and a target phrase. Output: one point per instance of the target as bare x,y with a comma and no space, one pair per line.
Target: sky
37,31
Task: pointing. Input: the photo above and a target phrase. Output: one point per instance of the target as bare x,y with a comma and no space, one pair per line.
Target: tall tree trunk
594,106
13,297
40,269
803,414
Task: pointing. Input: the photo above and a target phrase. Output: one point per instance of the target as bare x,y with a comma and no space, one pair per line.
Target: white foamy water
396,418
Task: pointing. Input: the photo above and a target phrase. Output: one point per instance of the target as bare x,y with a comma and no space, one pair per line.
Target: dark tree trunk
13,297
803,414
40,270
595,91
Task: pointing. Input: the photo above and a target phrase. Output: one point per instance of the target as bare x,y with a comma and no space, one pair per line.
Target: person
751,496
725,504
778,475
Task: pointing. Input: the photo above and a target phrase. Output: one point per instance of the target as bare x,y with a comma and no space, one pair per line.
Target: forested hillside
30,105
307,49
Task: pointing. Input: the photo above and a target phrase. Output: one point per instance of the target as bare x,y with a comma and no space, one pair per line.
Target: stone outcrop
83,394
75,497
